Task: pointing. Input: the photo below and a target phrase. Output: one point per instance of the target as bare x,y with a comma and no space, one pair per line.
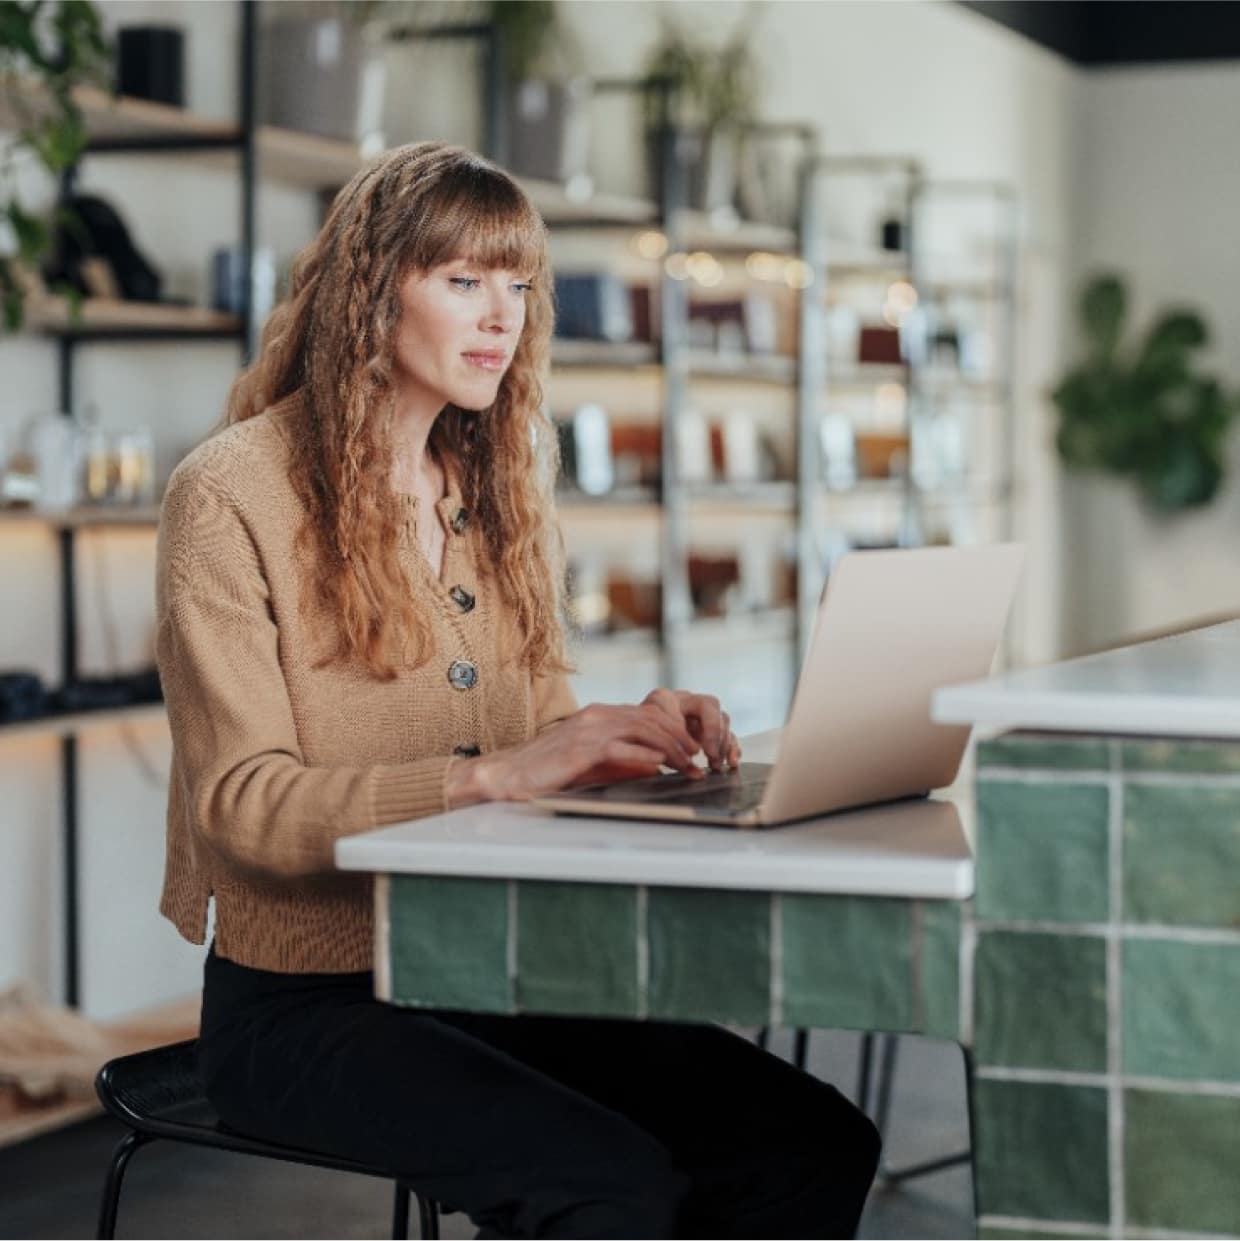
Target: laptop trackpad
675,787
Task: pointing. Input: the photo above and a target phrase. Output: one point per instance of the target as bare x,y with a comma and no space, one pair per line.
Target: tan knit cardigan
273,761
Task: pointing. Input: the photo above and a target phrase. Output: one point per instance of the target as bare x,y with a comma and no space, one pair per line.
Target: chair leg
800,1049
862,1098
112,1183
400,1212
886,1077
428,1217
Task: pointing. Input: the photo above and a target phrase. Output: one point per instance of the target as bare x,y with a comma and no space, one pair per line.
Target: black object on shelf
150,63
593,307
23,696
893,233
100,233
91,693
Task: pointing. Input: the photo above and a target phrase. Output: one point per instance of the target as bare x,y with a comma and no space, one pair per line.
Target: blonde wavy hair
330,344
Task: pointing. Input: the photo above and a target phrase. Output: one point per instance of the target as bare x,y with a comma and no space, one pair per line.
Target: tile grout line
776,1012
1125,1081
511,948
1097,777
643,951
1021,1223
967,951
383,937
1070,1228
1115,1004
1101,930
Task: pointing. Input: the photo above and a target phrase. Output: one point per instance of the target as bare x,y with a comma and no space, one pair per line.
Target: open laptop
892,627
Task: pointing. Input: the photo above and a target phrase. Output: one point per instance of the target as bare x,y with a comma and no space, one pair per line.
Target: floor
49,1187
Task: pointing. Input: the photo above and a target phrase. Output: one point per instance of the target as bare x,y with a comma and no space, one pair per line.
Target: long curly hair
331,345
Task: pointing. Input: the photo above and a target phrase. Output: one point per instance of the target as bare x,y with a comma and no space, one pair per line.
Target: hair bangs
483,216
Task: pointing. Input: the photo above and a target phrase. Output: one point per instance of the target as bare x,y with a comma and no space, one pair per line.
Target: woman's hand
708,723
596,744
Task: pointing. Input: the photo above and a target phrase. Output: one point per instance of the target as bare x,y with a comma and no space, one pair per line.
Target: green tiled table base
1095,976
1105,987
689,954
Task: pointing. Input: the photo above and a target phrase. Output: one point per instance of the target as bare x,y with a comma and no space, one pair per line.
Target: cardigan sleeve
553,699
244,783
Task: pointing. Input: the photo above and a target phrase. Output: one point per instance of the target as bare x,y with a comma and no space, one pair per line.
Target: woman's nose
501,311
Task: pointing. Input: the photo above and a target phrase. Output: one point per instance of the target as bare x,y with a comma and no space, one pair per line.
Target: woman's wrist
468,783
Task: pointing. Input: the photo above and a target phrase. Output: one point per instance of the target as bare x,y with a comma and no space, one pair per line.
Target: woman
359,601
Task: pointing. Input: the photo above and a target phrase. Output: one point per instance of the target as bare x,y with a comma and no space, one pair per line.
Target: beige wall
1157,199
924,79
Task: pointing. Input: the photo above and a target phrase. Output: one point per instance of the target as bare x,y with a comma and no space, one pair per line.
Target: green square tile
710,955
1182,855
1040,1151
1040,1001
1042,851
1181,1010
940,968
848,962
1208,757
577,948
1046,750
449,942
1181,1161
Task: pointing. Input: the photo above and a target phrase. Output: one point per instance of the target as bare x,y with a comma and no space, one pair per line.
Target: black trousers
539,1126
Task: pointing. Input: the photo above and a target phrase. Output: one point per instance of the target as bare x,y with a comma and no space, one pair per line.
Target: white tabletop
908,849
1185,686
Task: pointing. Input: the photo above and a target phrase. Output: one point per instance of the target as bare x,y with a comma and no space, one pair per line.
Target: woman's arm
244,782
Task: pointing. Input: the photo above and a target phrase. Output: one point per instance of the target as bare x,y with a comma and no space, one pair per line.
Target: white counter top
909,849
1185,686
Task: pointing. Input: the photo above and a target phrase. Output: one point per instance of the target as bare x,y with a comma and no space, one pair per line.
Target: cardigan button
463,674
460,520
467,751
462,598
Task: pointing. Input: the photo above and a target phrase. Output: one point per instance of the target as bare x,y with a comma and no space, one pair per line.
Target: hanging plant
46,49
1141,411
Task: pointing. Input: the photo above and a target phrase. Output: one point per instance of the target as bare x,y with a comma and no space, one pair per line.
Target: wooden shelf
139,516
106,316
169,1023
71,722
603,354
754,367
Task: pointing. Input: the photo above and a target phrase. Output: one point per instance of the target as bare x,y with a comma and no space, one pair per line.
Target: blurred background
830,276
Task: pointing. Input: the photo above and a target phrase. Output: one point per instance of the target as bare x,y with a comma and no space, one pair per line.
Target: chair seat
160,1093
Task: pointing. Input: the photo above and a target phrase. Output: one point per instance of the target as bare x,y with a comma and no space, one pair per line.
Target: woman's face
458,329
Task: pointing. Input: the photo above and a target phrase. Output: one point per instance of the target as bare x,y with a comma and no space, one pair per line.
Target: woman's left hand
708,723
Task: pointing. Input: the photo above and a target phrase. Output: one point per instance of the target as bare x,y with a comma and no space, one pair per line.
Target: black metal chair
875,1104
158,1094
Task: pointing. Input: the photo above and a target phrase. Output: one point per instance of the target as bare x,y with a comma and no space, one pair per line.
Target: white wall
1157,199
923,79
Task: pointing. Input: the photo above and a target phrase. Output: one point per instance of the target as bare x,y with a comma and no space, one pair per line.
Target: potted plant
545,117
46,50
1142,411
713,97
321,71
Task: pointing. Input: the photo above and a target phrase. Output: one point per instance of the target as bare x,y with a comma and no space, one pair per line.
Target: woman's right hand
596,744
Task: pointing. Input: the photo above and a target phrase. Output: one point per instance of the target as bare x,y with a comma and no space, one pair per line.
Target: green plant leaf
1103,306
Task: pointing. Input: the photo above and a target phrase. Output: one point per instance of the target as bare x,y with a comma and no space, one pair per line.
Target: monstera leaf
1143,412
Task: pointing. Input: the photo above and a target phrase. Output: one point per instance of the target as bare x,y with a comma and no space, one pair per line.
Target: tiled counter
1106,953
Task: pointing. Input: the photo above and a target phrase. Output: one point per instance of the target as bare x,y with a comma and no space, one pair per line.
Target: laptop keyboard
730,791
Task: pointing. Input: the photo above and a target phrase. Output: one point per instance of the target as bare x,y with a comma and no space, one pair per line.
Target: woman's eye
464,282
523,288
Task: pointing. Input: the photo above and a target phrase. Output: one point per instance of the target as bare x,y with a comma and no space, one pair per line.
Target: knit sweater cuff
409,790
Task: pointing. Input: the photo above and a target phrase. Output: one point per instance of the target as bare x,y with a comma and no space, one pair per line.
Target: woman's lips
487,361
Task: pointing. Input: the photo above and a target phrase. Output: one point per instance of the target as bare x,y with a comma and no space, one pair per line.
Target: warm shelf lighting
704,268
798,274
677,266
650,244
764,266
